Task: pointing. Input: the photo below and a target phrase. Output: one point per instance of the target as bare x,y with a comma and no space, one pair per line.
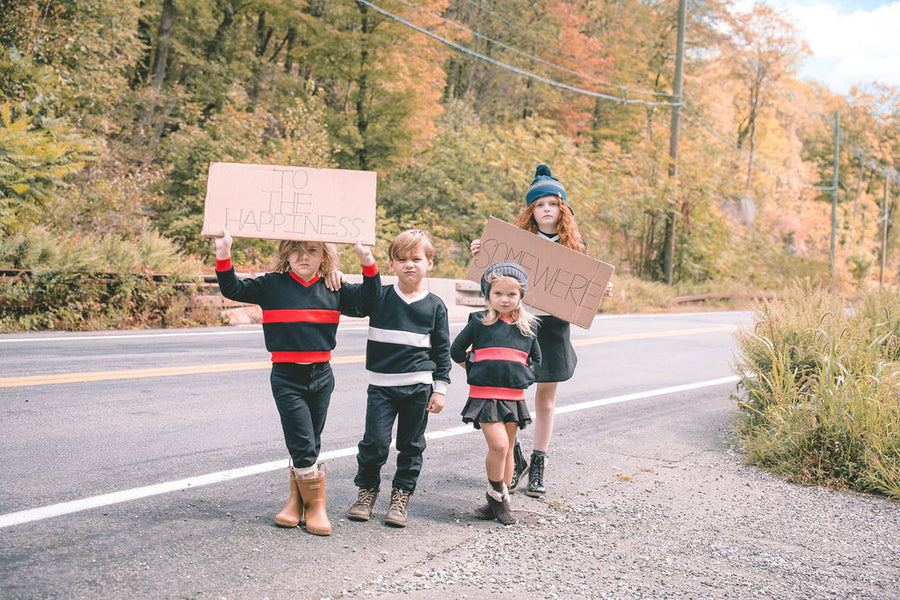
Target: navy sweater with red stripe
501,363
300,318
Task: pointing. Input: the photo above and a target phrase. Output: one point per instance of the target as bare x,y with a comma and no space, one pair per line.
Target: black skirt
480,410
558,358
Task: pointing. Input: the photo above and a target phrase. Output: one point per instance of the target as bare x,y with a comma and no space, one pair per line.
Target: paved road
136,465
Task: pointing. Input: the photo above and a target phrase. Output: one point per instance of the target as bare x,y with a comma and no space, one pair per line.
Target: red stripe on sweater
301,315
508,354
496,393
301,357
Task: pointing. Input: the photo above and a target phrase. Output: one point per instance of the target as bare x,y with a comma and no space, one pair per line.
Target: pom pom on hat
544,184
505,268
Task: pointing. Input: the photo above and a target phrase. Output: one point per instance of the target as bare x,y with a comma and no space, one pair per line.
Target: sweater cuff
370,270
440,387
223,264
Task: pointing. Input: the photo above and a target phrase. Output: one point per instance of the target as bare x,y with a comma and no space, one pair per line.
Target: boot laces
537,468
399,500
366,497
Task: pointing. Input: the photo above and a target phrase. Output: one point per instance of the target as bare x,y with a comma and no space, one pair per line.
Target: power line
531,56
510,67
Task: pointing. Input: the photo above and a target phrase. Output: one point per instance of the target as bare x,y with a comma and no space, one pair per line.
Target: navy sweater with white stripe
300,318
409,341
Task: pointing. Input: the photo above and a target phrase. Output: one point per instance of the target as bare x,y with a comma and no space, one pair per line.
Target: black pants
407,405
302,394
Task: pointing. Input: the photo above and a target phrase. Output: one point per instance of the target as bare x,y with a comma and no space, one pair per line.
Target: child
500,366
408,364
300,319
547,214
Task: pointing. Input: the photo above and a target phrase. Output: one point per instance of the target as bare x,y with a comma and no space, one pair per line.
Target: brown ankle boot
312,494
396,514
484,512
361,510
292,513
499,503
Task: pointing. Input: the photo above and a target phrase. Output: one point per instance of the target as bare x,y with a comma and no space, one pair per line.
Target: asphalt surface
648,497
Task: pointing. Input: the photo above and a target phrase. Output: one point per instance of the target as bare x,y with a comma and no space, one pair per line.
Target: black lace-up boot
536,487
520,466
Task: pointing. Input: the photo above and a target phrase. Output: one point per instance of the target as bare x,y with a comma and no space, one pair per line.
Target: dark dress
558,358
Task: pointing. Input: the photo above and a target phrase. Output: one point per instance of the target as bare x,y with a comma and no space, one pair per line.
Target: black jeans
302,394
407,405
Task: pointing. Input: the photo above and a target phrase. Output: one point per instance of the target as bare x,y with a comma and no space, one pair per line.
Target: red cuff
370,270
223,264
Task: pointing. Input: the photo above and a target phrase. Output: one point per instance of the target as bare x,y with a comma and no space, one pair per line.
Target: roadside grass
81,284
820,380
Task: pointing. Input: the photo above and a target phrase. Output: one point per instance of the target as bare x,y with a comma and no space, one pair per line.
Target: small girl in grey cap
499,350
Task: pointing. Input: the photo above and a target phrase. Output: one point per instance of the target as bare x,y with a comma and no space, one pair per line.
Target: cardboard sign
290,203
565,283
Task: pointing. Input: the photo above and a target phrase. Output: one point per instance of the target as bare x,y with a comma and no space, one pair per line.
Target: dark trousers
407,405
302,394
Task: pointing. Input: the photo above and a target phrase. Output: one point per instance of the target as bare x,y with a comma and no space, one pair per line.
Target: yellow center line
142,373
33,380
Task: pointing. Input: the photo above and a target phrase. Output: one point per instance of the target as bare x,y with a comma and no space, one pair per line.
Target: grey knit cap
505,268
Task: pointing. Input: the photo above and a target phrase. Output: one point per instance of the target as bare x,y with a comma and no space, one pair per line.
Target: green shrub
821,396
87,284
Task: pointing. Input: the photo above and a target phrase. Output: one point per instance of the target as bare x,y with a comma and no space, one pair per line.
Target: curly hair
569,234
330,260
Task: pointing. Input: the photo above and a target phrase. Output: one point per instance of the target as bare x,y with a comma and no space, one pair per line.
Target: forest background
110,113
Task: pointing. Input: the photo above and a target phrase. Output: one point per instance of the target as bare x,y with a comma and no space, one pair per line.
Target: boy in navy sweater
300,320
408,366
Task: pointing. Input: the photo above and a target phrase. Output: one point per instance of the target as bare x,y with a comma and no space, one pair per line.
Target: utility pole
834,189
678,88
884,227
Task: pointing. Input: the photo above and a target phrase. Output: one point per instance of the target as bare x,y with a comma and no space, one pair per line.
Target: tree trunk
362,116
160,62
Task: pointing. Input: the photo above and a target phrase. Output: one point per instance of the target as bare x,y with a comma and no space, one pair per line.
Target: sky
853,41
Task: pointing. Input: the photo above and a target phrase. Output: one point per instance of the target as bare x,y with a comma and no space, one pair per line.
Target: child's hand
334,280
436,403
475,246
364,253
608,292
223,245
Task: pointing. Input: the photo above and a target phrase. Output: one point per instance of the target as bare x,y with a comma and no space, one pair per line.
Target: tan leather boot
292,513
312,494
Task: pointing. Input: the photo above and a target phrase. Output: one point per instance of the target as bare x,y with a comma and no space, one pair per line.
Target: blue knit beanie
544,184
506,268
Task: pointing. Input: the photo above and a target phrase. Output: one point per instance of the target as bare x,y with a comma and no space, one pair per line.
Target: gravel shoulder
660,505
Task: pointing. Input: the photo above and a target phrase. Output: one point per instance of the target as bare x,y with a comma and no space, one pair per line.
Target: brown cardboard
290,203
565,283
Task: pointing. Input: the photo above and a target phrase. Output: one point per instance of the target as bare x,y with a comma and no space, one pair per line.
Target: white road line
138,336
55,510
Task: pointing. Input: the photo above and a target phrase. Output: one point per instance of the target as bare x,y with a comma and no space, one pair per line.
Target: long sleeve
239,290
358,299
460,346
440,349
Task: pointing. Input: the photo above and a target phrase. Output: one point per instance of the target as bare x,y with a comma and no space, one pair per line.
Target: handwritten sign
565,283
290,203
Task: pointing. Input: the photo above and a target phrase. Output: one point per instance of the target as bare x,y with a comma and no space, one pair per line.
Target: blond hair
524,320
330,260
409,241
569,234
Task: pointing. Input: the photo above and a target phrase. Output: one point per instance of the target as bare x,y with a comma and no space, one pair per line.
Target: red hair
569,234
